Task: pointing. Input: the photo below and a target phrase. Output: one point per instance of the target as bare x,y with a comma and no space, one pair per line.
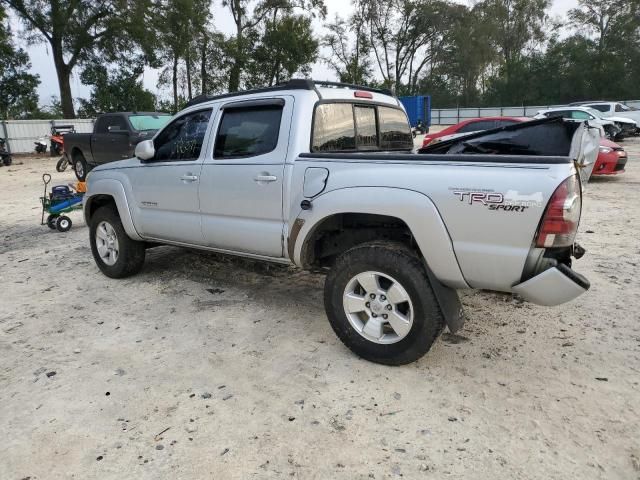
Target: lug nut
374,315
385,316
389,307
383,298
367,304
372,296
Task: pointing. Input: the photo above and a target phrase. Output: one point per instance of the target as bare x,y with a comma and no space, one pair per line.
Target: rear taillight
560,221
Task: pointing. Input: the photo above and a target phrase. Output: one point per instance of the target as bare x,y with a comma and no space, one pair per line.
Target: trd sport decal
512,201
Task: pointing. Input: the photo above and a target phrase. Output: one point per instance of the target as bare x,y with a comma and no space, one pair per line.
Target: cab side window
603,107
477,126
182,139
248,131
580,115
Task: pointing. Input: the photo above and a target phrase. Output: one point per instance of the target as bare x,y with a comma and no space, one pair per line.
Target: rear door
165,188
110,141
241,187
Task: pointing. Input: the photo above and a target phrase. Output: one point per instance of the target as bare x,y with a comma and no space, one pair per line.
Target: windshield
149,122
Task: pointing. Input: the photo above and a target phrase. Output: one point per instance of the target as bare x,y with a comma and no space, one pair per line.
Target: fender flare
115,189
413,208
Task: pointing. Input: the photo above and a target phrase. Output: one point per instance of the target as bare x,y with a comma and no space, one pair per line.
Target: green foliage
286,46
18,95
78,29
115,90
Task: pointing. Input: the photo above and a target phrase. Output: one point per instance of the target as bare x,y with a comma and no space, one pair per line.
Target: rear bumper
554,286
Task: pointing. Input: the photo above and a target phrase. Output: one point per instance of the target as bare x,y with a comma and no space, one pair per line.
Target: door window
558,113
621,108
182,139
580,115
248,131
603,107
477,126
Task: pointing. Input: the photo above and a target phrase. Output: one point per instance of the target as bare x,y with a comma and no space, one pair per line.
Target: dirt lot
205,366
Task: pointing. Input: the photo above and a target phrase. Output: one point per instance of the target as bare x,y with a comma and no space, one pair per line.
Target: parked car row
611,159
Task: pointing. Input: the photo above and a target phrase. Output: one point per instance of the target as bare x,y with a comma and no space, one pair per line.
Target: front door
242,179
166,187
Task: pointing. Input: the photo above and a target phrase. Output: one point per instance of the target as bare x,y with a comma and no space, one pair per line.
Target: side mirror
145,150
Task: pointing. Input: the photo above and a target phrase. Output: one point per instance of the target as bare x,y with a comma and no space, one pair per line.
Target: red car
611,159
473,125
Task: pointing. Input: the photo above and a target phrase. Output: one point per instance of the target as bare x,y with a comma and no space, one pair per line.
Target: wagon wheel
51,221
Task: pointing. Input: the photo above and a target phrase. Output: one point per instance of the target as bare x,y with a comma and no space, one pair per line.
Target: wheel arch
397,214
109,192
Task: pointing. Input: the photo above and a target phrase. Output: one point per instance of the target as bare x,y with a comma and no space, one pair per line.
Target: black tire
62,164
131,253
403,265
80,166
63,223
51,221
7,160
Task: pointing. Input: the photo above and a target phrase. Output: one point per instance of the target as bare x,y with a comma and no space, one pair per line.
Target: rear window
394,129
148,122
340,127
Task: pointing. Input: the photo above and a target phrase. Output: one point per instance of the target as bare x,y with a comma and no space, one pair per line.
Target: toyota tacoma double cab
321,175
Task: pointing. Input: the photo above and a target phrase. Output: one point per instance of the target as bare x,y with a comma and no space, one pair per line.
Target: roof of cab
324,89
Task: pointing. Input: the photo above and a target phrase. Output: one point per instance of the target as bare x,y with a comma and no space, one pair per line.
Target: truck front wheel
80,166
115,253
381,305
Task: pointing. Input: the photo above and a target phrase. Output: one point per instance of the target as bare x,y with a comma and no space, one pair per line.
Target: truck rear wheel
115,253
381,305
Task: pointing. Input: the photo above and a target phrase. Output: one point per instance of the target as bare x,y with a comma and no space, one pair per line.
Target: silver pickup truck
322,176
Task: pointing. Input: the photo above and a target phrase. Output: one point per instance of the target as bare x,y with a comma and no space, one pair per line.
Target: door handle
265,177
189,178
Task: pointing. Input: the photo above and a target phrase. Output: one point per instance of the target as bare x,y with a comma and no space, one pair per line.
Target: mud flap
448,301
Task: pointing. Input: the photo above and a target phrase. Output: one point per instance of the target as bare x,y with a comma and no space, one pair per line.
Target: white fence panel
22,134
451,116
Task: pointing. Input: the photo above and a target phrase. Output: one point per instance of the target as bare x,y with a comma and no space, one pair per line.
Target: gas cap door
315,179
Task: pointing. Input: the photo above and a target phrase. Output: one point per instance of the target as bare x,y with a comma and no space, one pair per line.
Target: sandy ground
205,366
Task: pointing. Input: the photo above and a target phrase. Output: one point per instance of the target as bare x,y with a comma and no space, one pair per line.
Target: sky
42,61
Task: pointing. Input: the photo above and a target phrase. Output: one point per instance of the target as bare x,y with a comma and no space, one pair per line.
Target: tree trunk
234,74
203,65
236,69
175,83
63,72
187,60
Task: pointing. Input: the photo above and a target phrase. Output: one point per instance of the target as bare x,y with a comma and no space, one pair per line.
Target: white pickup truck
322,176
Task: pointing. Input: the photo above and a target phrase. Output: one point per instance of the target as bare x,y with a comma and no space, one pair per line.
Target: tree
407,36
181,26
246,22
18,95
350,63
76,28
115,89
516,30
284,48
